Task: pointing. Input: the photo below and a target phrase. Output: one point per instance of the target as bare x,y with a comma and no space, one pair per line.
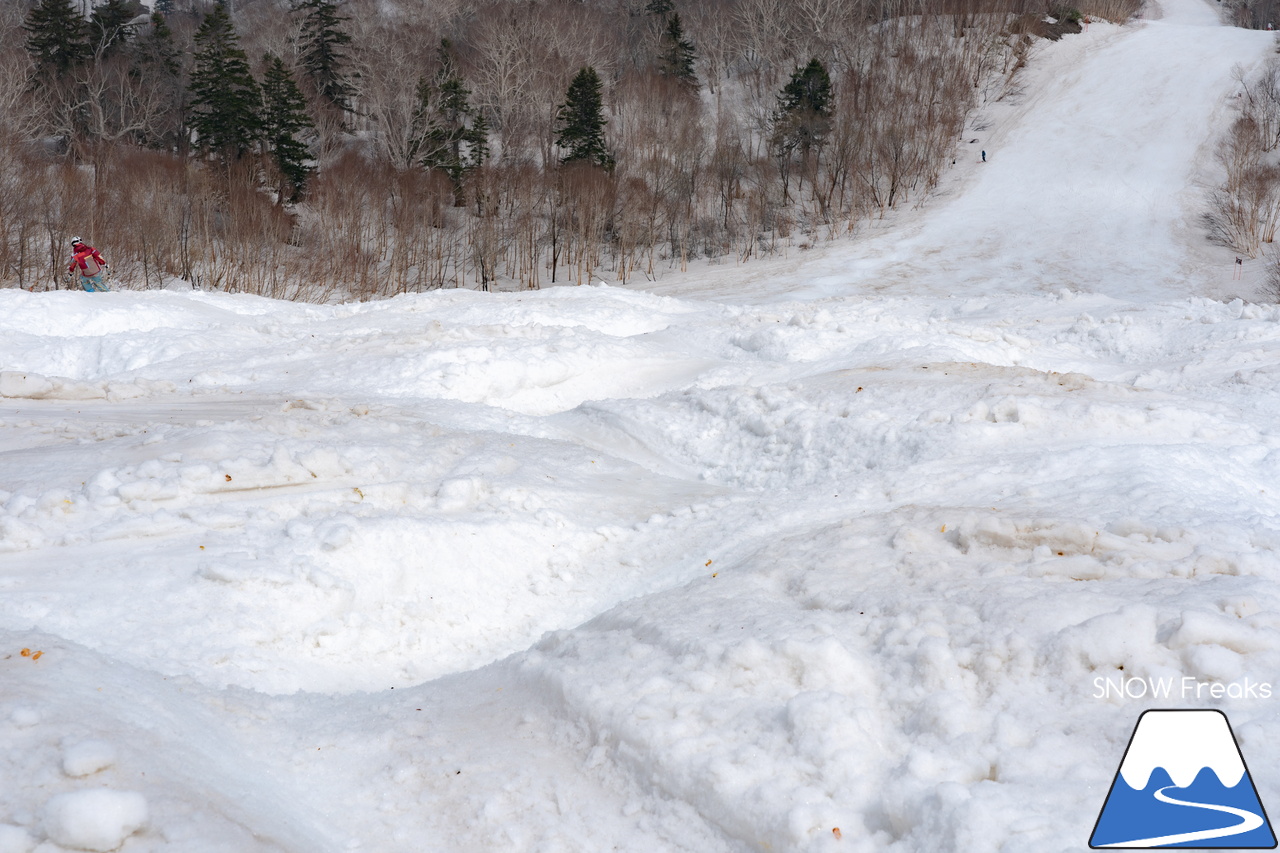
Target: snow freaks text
1186,687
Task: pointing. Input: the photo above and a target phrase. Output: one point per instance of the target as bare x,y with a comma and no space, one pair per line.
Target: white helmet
75,241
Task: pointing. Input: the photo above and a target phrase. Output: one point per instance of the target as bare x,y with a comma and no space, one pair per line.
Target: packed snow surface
879,547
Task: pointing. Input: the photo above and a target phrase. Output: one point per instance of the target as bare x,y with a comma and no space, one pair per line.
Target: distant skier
91,266
984,156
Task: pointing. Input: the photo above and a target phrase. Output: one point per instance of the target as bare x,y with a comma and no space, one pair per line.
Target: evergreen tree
56,37
804,109
284,118
454,135
320,51
582,122
661,8
109,27
156,59
677,55
157,50
224,96
162,7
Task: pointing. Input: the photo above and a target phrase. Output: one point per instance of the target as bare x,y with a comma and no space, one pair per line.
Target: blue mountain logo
1183,783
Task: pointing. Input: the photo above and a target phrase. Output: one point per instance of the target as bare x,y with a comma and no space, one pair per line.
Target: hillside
865,548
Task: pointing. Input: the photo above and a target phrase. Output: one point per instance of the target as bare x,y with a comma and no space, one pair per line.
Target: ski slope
1099,162
825,553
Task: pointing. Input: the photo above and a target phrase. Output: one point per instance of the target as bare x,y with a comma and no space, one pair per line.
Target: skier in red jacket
90,264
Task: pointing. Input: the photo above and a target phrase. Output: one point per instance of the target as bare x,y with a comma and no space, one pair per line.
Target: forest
353,149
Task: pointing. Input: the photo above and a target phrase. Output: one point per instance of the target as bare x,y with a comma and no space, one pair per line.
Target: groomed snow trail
1099,163
1094,189
843,546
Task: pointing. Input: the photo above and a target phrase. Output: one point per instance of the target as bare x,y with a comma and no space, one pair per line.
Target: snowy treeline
1245,209
440,160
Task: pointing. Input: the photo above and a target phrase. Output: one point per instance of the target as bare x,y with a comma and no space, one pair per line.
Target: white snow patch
15,839
88,757
98,819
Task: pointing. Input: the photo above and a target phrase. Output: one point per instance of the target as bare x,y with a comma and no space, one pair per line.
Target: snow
87,757
95,819
838,551
15,839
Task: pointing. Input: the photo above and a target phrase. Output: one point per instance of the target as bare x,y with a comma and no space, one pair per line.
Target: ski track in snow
723,566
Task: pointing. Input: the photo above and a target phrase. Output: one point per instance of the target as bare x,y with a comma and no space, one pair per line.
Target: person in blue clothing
984,156
90,265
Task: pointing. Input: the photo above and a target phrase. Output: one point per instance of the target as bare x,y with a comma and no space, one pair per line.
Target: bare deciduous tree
694,176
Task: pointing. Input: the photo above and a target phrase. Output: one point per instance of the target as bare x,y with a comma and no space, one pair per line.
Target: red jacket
79,259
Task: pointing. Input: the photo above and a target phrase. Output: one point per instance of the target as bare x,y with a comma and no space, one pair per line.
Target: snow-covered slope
868,553
1093,189
1098,166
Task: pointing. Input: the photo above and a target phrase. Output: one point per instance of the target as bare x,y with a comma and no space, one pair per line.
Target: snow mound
98,819
88,757
15,839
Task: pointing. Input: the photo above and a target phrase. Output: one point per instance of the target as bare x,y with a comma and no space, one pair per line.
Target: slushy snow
869,548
